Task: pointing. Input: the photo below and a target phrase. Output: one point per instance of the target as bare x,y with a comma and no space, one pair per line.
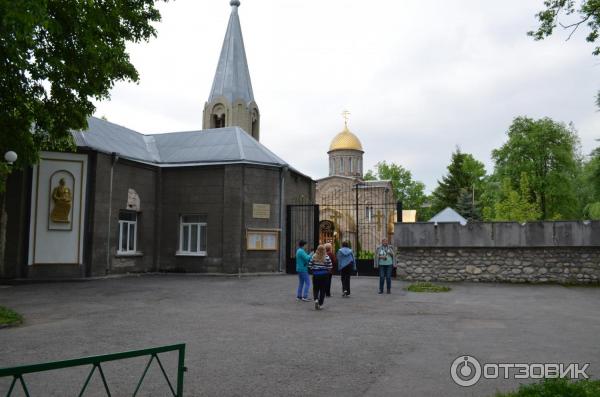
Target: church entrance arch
326,232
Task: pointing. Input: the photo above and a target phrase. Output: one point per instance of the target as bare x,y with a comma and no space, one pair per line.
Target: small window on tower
218,121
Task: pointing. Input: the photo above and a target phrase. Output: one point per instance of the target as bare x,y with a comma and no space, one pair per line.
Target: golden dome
345,140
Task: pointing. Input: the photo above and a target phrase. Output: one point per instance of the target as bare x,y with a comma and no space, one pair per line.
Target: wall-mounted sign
262,239
262,211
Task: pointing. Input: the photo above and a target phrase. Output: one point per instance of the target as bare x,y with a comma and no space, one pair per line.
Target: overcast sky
419,77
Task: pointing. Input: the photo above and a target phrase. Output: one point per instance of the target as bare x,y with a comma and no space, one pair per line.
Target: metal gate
302,223
361,214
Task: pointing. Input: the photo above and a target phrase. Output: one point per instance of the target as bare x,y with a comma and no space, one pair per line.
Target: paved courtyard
249,336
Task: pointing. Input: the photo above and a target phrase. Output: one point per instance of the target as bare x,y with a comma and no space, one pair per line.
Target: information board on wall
262,239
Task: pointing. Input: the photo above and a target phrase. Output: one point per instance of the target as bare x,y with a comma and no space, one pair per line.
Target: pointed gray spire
232,79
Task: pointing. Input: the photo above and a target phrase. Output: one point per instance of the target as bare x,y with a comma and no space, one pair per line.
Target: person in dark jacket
346,266
320,265
331,255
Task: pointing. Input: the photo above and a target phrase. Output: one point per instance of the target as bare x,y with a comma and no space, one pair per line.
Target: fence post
180,370
316,231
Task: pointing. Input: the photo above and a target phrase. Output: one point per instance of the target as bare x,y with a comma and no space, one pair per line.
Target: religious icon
62,198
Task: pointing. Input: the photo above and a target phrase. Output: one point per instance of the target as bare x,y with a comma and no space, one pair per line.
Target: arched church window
341,164
369,214
217,119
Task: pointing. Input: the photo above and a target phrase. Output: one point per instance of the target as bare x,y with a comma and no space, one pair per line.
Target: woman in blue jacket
302,259
346,266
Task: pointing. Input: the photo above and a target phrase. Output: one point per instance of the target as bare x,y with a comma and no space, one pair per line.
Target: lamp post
10,157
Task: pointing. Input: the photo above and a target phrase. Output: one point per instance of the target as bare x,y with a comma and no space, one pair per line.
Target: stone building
351,208
210,201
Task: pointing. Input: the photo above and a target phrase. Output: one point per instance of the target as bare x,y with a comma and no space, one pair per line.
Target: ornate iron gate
362,213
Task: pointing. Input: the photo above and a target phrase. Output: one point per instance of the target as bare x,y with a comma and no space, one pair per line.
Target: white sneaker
317,307
306,300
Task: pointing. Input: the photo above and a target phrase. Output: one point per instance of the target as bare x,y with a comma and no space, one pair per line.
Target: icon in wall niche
133,200
61,200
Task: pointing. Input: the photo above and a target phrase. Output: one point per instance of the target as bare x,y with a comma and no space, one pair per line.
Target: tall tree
58,56
465,174
589,186
548,152
410,192
515,205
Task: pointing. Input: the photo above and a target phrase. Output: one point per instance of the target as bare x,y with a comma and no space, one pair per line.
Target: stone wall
517,265
537,252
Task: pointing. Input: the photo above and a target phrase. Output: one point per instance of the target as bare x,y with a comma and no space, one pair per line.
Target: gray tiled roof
222,145
232,78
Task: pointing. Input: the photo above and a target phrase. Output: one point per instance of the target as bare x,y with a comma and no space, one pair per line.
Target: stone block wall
515,265
537,252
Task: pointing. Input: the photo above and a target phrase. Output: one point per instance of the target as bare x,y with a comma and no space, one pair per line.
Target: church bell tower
231,101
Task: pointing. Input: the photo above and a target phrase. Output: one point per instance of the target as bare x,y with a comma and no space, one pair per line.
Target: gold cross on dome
346,116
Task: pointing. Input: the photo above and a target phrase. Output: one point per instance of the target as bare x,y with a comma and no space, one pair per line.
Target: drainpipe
282,171
114,157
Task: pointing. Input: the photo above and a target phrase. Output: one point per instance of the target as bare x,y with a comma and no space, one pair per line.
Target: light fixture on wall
10,157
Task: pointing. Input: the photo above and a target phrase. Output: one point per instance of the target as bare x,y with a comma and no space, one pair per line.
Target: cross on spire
346,116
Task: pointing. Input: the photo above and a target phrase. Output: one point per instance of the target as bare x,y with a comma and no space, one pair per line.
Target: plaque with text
261,211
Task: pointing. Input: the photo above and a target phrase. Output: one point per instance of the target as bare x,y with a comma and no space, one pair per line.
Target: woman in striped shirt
320,264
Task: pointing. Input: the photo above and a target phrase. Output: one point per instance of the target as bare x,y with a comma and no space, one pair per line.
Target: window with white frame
127,232
192,235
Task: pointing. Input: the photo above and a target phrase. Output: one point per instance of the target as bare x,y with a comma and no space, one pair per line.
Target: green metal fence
95,361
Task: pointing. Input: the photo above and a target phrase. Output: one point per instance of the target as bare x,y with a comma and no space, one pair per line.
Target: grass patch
9,317
557,387
427,287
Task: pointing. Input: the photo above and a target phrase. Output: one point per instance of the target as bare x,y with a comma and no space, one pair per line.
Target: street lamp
10,157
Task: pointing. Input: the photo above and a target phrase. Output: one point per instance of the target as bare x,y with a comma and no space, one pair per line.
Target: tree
465,174
55,58
515,205
467,206
548,152
589,186
588,14
410,192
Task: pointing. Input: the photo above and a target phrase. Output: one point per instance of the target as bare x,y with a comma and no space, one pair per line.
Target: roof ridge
239,131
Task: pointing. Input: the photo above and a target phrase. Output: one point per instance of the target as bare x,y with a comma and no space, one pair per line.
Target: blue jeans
385,272
303,281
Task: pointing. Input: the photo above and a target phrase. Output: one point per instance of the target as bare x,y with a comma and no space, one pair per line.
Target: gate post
399,212
288,236
316,230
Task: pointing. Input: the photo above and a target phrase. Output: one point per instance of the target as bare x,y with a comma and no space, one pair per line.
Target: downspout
114,157
282,171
